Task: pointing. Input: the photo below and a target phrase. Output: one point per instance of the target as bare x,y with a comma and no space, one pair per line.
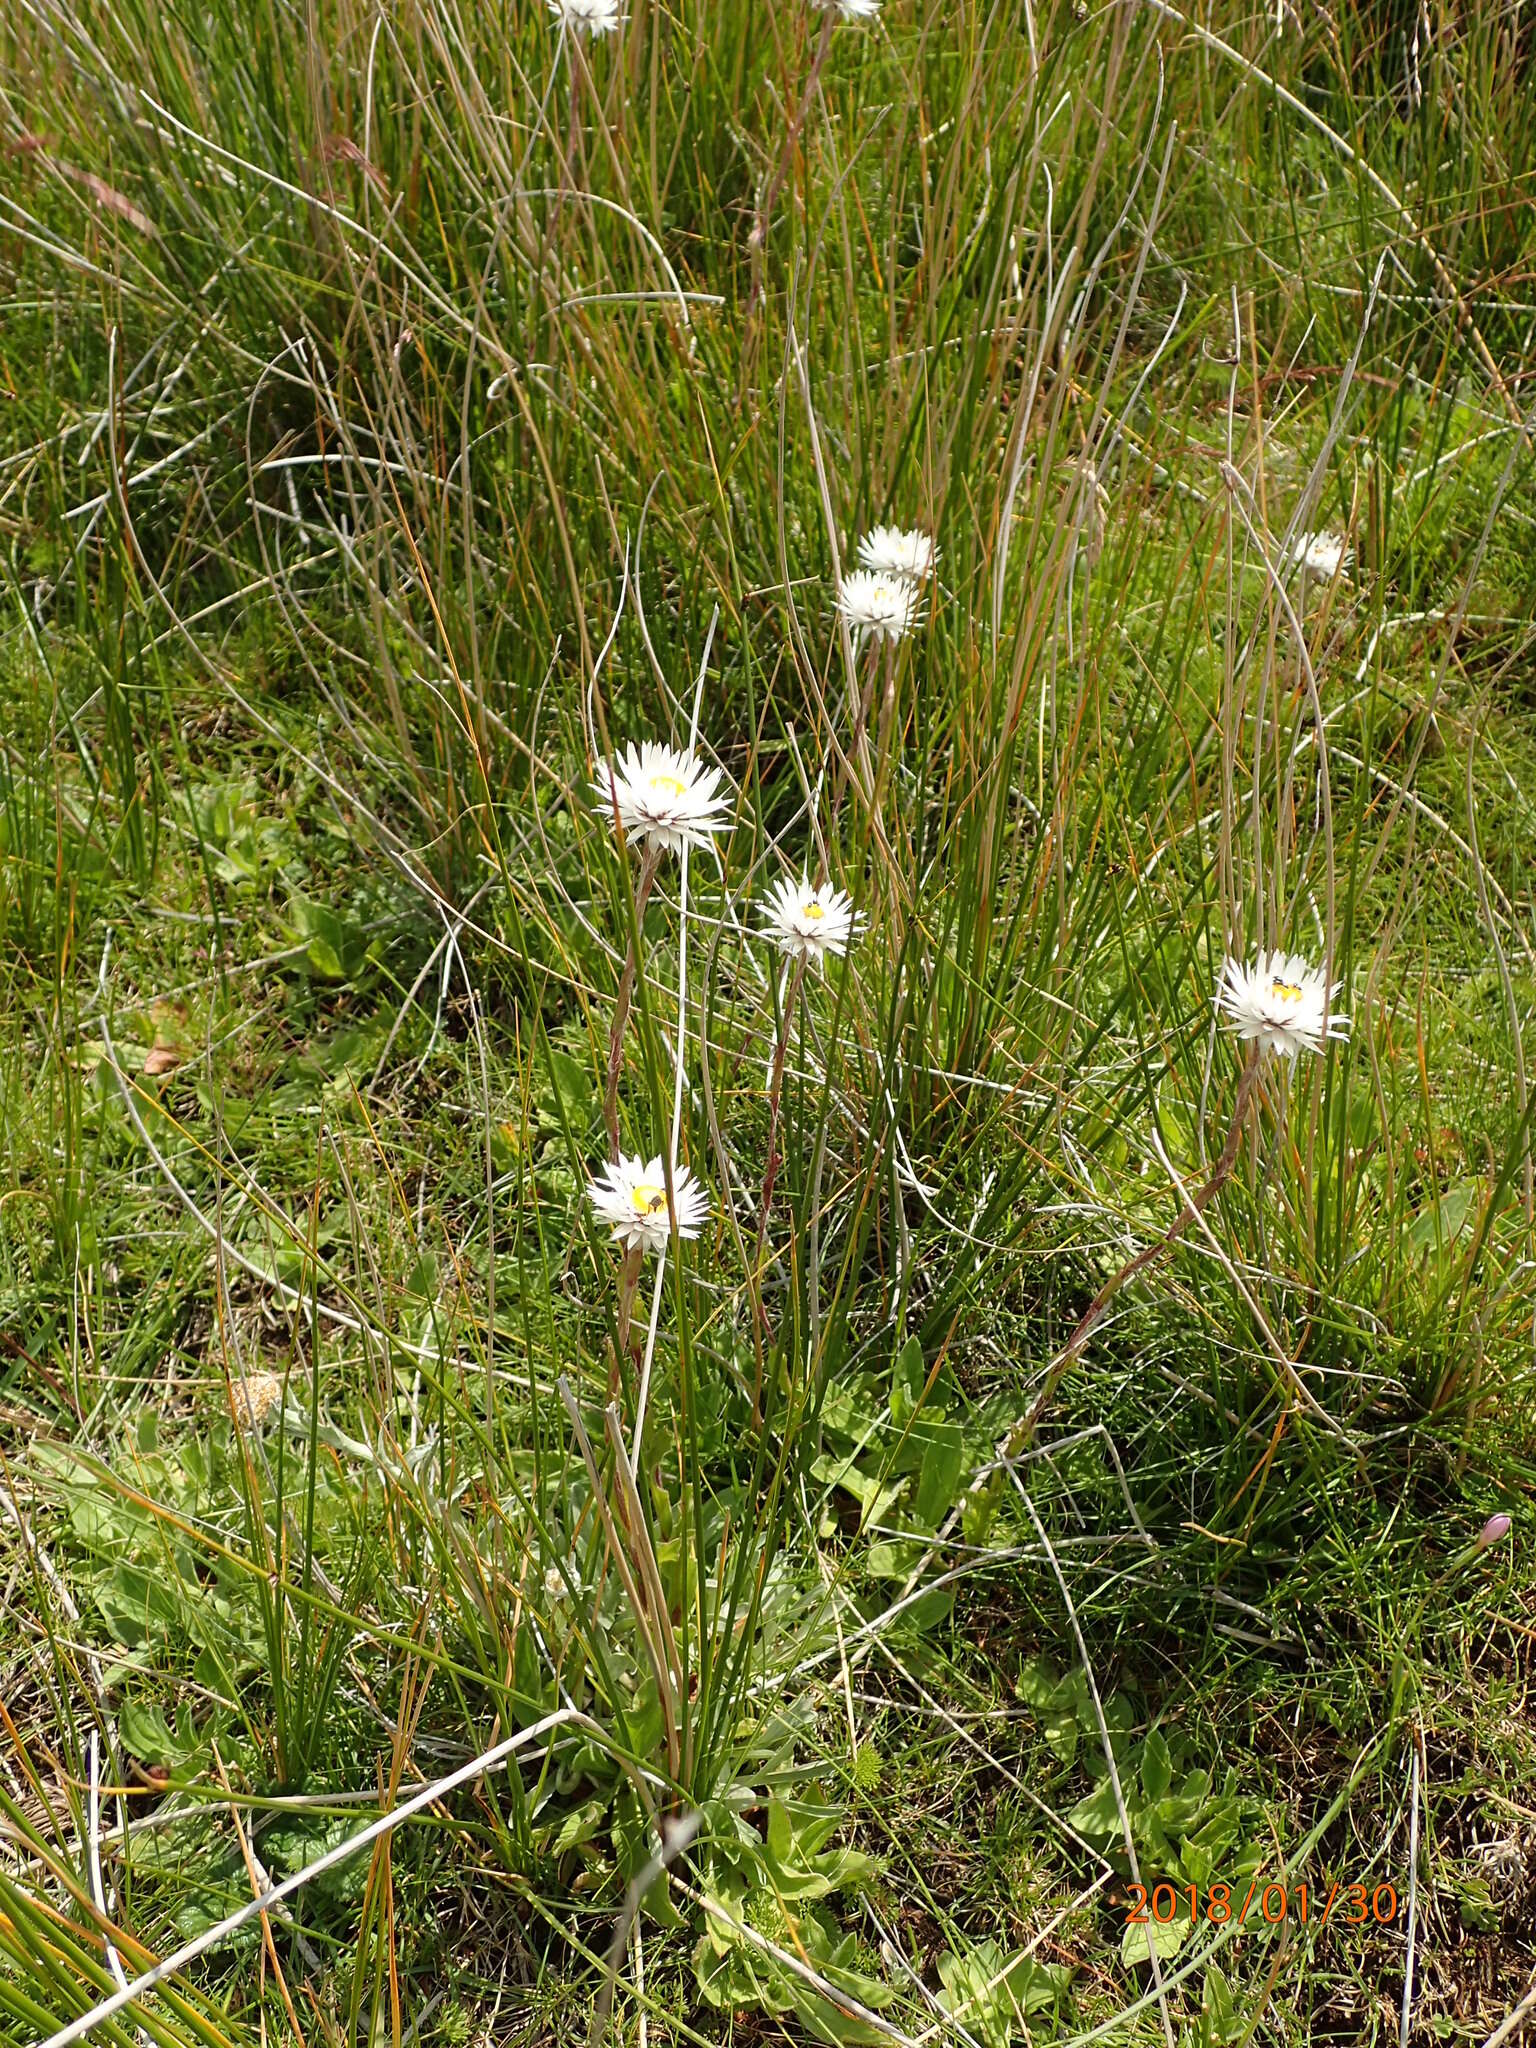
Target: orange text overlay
1351,1905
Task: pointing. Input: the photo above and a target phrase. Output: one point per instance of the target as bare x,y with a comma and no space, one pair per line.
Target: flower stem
629,1287
771,1170
775,1092
650,862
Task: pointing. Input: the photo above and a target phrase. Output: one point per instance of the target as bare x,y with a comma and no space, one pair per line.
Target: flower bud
1495,1529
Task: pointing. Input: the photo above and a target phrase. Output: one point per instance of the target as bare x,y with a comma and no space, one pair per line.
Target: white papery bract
1282,1002
588,17
895,551
879,605
630,1195
663,796
1321,555
852,10
808,923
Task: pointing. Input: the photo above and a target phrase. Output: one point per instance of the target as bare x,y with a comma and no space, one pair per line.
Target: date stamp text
1352,1905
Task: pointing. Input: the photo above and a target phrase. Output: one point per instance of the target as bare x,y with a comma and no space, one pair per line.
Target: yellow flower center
668,785
647,1198
1285,992
812,910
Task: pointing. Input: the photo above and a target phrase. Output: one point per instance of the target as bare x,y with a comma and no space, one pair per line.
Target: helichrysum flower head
588,17
879,604
1321,555
1282,1002
257,1398
663,797
853,10
808,923
631,1197
890,551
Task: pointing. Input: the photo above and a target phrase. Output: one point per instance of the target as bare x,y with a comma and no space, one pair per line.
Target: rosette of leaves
903,1457
990,1994
1186,1829
773,1883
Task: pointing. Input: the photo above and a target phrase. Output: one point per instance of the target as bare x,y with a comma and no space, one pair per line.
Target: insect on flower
893,551
630,1195
663,796
1320,555
1282,1002
808,923
588,17
879,605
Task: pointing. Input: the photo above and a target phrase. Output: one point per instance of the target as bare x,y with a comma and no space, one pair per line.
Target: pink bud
1495,1529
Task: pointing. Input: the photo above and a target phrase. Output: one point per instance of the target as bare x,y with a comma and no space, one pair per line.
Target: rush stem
759,236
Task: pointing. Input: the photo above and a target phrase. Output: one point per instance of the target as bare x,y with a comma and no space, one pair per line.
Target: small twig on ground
675,1834
260,1879
98,1889
1507,2030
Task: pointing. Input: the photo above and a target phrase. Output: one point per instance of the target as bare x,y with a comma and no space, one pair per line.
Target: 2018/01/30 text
1354,1904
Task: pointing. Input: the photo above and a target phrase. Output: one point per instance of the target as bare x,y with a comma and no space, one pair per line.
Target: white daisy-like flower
885,606
808,923
631,1197
663,796
893,551
853,10
1283,1002
588,17
1321,555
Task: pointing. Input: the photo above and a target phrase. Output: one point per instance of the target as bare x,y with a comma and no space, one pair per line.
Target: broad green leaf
939,1478
907,1380
1097,1816
1166,1936
574,1086
1156,1767
989,1995
1060,1719
1038,1679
